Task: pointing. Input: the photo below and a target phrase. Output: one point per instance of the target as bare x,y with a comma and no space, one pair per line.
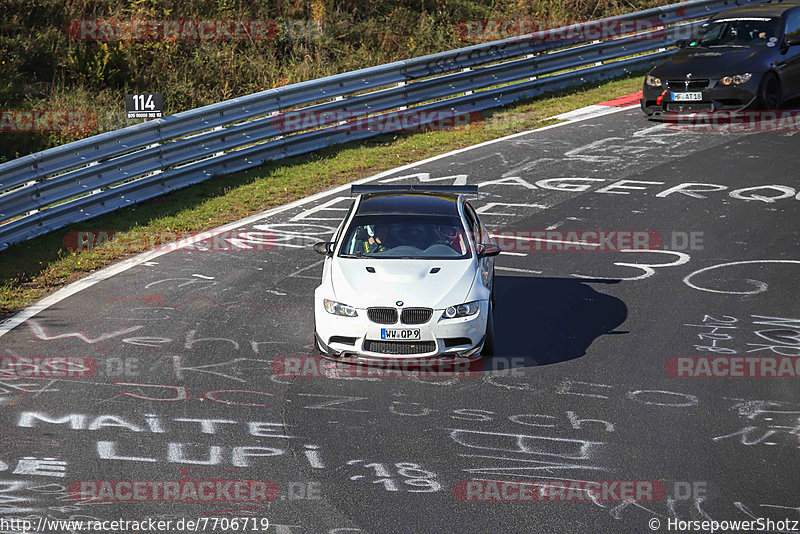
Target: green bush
42,68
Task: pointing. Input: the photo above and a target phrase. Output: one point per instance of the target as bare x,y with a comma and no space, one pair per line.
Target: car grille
399,347
456,341
690,107
416,315
680,85
382,315
343,340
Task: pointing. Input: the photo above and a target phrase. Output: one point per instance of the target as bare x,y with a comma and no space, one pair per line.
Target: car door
788,62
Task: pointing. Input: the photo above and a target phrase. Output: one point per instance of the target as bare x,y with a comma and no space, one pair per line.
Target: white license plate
400,333
684,97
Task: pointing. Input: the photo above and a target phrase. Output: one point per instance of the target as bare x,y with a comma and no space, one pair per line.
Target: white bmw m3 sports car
408,275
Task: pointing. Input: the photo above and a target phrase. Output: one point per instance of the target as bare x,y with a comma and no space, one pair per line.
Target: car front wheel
769,92
488,342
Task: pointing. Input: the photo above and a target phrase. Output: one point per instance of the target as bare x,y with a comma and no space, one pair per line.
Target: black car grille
456,341
343,340
401,348
680,85
382,315
416,315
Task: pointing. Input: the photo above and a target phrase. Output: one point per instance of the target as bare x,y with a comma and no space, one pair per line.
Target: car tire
769,92
491,295
488,342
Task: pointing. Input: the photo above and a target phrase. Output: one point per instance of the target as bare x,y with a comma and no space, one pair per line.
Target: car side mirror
792,41
487,250
325,247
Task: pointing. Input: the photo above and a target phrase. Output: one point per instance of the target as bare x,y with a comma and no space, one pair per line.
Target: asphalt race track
189,346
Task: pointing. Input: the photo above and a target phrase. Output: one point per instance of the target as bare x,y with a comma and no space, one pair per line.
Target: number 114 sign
144,106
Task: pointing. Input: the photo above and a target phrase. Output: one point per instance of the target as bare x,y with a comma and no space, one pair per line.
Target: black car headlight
736,79
652,81
462,310
337,308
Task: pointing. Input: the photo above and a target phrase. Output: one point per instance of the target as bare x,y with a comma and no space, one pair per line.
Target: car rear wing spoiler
417,188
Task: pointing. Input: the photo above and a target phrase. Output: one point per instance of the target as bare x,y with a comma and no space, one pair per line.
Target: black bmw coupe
747,57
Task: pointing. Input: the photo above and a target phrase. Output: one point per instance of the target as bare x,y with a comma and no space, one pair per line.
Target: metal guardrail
77,181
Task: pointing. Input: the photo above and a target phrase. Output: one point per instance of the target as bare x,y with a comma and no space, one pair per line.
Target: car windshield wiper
728,46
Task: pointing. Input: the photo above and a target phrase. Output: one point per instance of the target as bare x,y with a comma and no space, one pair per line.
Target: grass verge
34,268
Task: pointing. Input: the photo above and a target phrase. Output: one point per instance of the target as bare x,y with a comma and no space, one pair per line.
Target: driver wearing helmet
373,243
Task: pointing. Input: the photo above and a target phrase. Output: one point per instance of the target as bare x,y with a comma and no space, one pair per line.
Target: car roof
769,9
408,204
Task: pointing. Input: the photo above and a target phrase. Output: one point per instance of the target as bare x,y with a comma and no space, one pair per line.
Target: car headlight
652,81
462,310
337,308
737,79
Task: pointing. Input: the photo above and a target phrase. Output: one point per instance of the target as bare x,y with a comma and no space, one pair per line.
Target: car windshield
738,32
406,236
